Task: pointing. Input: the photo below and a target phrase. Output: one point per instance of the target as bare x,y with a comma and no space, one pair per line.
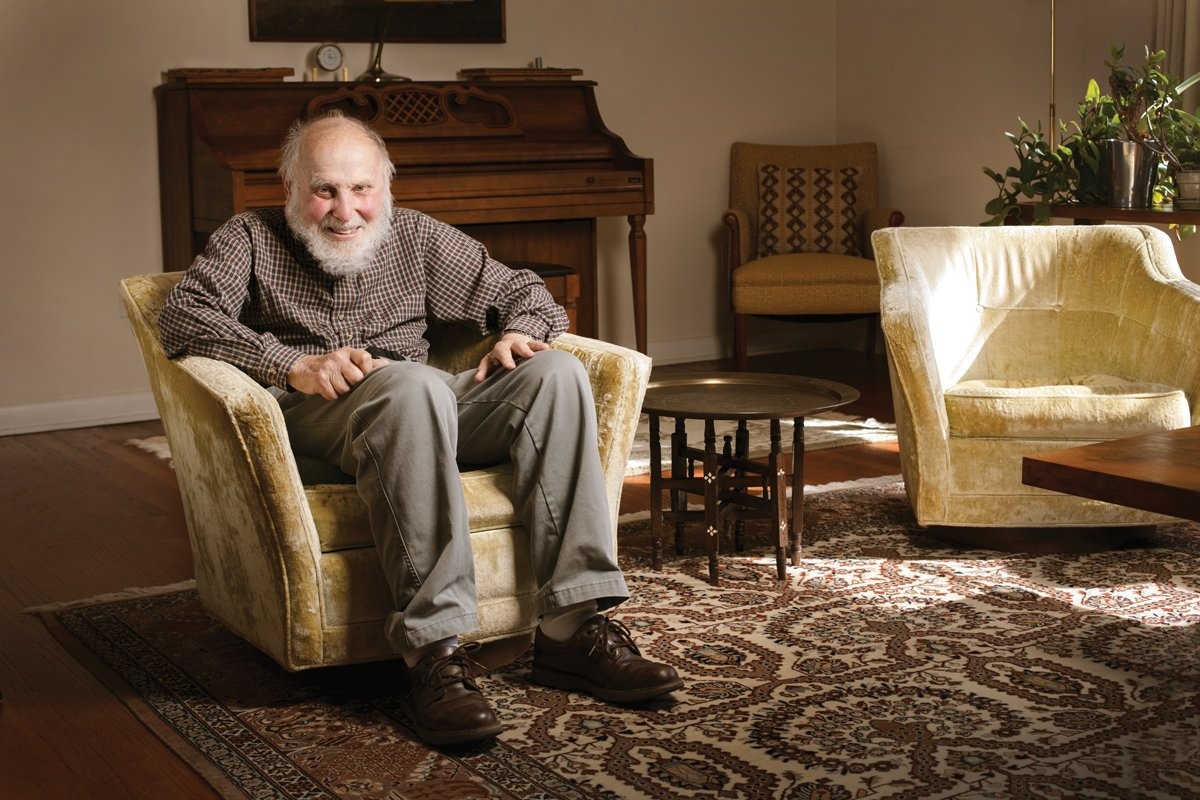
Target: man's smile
339,232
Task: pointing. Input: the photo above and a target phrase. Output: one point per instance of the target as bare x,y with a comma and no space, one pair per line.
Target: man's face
338,203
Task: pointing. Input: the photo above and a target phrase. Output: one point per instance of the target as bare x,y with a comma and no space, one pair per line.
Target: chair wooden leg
739,342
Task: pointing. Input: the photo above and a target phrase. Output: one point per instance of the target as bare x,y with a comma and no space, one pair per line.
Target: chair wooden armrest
875,219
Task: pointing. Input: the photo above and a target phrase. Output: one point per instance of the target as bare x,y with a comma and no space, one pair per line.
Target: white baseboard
85,412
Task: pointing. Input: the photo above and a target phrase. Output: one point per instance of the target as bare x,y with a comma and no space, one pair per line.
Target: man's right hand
333,374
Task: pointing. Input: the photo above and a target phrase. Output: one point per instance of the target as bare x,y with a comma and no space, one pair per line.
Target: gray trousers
403,431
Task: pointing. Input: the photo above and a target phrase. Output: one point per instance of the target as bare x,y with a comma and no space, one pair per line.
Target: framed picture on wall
446,21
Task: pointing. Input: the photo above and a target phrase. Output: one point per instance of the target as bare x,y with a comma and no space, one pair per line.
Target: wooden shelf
1094,215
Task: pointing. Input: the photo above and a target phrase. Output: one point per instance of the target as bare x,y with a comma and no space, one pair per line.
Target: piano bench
561,281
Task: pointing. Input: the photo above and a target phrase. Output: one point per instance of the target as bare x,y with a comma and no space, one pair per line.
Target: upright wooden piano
524,165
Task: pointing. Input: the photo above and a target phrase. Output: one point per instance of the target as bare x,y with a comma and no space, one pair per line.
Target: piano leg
637,268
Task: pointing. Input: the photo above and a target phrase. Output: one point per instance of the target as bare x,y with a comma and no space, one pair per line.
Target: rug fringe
859,483
869,422
154,445
111,597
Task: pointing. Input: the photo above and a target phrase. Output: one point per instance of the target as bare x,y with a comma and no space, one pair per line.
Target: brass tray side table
729,475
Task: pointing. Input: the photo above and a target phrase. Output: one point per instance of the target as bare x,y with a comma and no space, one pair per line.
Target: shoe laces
611,637
439,675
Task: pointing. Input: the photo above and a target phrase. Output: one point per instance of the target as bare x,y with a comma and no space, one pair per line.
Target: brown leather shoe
601,659
444,702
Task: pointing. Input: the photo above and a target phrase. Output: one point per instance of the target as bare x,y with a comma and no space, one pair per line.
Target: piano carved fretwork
526,167
402,110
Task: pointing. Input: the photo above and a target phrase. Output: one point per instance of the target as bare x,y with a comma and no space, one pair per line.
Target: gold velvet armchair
799,224
282,551
1003,342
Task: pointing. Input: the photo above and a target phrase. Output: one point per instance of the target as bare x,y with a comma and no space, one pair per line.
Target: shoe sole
577,683
448,738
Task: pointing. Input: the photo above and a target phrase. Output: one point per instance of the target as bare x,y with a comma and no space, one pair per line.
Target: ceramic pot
1131,170
1187,189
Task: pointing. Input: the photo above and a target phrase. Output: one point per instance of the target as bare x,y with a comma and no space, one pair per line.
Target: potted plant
1187,181
1125,134
1185,169
1073,171
1145,102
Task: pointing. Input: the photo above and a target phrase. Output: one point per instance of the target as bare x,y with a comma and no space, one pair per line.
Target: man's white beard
336,257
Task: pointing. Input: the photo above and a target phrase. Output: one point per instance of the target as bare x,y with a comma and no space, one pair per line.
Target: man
326,302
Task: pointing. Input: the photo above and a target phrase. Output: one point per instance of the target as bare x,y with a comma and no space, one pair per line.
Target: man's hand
333,374
508,349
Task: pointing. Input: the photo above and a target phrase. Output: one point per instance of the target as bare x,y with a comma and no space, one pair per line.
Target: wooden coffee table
1158,472
734,487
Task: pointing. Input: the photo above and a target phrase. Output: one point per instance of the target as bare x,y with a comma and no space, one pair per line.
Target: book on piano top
518,73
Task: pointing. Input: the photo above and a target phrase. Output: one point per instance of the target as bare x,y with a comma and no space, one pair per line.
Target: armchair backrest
804,199
1039,303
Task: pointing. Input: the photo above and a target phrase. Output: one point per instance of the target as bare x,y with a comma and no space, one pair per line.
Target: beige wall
935,82
938,82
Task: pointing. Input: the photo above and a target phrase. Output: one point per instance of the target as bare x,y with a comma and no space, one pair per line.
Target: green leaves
1045,174
1141,107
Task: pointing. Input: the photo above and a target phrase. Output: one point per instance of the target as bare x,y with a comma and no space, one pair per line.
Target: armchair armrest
618,376
922,424
739,244
253,539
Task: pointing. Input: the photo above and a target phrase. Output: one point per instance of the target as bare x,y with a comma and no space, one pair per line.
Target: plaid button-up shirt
256,298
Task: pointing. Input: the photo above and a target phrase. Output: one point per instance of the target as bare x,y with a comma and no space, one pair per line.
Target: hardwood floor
84,514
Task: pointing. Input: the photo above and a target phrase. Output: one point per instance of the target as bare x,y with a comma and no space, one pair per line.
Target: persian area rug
821,432
887,665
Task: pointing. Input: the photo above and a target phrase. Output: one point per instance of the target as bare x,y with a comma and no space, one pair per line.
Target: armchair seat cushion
341,517
1081,407
799,283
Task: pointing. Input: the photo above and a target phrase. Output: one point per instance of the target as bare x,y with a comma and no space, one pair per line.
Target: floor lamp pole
1053,113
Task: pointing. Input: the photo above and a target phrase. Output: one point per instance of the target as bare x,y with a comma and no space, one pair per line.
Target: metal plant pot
1131,170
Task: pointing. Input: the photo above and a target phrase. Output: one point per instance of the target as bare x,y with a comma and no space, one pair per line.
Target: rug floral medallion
887,665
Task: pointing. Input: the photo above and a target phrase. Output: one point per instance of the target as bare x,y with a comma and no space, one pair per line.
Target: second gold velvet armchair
1005,342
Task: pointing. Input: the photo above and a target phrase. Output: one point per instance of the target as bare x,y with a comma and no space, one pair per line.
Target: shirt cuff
277,363
532,326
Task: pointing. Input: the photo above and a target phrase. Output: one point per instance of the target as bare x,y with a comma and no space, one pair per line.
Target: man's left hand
511,347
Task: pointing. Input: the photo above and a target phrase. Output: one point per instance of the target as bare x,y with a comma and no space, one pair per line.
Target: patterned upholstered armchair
282,549
799,227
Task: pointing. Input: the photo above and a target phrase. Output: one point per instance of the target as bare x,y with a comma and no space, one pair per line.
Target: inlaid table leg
656,510
681,467
778,506
725,469
741,449
797,512
710,497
